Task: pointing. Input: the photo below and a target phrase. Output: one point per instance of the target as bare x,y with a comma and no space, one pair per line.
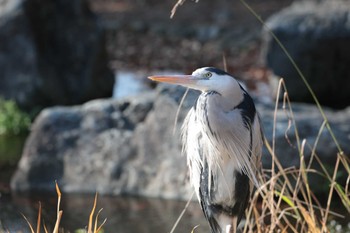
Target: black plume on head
217,71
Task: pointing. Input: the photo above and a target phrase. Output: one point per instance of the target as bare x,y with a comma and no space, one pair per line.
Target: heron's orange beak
175,79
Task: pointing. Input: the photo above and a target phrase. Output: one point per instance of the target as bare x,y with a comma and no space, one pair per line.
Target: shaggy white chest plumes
223,141
222,148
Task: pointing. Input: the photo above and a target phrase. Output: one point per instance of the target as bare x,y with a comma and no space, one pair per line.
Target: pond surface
124,214
130,83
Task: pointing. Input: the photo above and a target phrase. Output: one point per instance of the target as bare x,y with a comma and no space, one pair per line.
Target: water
10,152
124,214
129,83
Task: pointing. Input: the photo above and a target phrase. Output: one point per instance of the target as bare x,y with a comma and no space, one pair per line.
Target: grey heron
222,138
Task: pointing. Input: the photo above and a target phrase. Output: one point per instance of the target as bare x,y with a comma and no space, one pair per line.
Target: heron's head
203,79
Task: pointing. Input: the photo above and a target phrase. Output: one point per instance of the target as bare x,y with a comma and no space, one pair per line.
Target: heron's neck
226,101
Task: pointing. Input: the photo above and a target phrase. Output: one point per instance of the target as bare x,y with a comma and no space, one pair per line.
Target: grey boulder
108,146
317,35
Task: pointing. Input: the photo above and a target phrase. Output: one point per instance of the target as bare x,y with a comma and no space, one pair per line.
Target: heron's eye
208,75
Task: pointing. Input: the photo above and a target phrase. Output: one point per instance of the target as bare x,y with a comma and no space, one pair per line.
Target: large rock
317,35
128,146
52,52
114,147
308,122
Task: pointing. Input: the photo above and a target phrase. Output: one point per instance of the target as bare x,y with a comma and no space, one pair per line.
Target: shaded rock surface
308,122
197,36
53,52
127,146
317,35
114,147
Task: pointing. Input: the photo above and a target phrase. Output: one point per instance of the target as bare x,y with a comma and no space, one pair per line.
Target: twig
179,108
182,213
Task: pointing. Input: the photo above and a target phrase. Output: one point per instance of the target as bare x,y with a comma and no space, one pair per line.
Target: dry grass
93,226
285,202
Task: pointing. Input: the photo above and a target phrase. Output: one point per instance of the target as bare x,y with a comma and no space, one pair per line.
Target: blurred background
76,106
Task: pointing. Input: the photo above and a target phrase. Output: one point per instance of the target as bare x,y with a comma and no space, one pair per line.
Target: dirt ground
141,35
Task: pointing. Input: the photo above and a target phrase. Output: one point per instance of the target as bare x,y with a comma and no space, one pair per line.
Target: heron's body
223,141
219,152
